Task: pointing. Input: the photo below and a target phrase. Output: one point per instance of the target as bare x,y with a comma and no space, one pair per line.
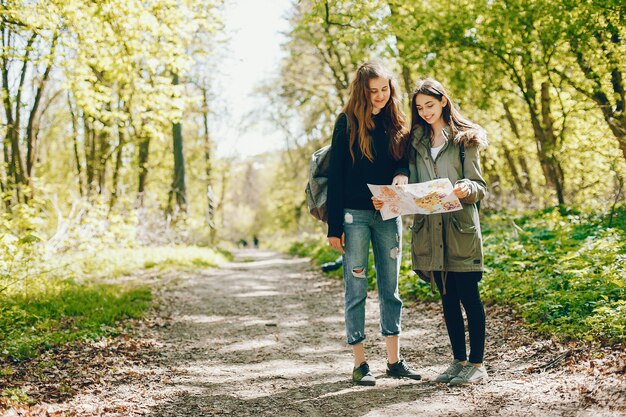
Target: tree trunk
332,57
6,148
178,190
210,214
90,153
220,207
614,114
117,169
144,152
545,138
31,128
511,165
13,110
528,185
16,157
79,165
102,158
401,46
552,145
521,180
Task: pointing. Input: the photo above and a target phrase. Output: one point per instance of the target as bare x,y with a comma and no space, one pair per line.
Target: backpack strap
462,156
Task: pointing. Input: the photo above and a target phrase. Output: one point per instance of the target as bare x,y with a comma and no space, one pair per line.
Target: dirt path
264,336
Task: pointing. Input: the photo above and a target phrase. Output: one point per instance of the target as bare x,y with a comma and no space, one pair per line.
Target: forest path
264,336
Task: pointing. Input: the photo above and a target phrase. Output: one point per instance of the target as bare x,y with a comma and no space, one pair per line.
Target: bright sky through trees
254,51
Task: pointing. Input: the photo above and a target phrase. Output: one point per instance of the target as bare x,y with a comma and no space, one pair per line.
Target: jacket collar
421,143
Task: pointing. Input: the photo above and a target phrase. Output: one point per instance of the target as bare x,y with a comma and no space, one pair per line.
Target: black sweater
347,182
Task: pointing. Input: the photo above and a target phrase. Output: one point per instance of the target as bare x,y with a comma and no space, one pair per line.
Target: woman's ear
444,101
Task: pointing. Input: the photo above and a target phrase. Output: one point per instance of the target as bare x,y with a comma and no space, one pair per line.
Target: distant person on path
255,241
368,147
447,248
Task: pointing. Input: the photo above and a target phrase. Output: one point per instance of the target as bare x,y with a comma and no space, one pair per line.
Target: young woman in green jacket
447,248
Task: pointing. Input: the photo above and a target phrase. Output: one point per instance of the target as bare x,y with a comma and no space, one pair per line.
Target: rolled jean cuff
356,341
391,334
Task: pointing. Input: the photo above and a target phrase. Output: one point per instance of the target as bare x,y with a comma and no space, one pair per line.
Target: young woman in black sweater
368,148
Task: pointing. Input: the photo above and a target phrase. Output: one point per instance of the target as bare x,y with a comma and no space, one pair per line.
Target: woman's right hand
461,190
378,204
337,243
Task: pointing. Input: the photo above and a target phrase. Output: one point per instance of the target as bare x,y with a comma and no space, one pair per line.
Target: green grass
67,312
77,298
320,253
563,270
117,262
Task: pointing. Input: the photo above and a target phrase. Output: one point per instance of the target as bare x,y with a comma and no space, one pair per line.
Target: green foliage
18,395
46,309
562,269
608,321
410,285
543,78
63,288
20,244
53,315
317,249
108,263
320,253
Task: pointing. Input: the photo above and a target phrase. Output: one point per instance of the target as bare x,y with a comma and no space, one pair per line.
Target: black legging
462,287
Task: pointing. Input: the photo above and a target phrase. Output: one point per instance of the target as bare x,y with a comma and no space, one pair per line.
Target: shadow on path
264,336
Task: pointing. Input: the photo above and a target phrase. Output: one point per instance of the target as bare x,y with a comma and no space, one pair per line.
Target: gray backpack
317,186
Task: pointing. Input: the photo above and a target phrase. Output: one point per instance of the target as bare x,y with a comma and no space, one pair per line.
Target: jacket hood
472,137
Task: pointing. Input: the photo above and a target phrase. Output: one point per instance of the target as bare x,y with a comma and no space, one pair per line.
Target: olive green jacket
449,241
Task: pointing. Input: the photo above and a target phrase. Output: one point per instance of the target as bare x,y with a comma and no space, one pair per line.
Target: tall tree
178,189
208,160
29,44
513,44
596,67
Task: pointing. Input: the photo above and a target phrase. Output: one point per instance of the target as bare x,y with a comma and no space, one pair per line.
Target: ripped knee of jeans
358,272
394,253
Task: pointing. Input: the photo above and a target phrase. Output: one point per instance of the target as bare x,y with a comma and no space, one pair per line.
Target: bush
52,289
561,267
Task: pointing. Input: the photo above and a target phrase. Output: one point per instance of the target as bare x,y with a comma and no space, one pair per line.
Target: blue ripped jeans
361,227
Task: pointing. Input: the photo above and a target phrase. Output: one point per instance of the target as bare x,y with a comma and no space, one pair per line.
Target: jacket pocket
420,243
463,241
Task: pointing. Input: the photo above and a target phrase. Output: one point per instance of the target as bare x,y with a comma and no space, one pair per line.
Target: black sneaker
401,370
363,376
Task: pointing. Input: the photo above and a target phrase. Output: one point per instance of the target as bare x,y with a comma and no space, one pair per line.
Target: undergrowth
66,286
563,270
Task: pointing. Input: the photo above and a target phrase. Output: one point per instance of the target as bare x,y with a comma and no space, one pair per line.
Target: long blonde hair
359,111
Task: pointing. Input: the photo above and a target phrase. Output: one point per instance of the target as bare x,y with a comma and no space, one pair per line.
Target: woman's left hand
461,190
400,180
378,204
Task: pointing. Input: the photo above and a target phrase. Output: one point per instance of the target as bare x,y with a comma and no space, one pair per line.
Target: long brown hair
453,118
359,112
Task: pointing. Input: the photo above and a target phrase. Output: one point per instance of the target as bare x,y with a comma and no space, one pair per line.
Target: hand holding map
429,197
